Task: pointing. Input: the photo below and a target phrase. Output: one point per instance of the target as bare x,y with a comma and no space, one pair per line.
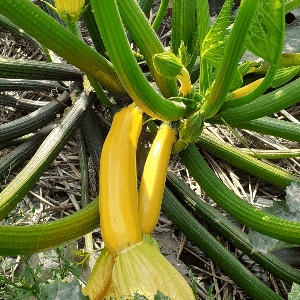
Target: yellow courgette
154,177
247,89
118,196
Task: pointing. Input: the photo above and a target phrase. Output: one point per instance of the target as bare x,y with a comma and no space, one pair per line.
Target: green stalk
231,232
242,211
136,85
145,6
231,58
23,240
275,127
147,42
203,20
264,105
50,33
44,156
99,91
214,250
75,29
47,53
11,27
266,171
183,24
271,154
204,27
274,61
35,120
160,14
84,182
90,22
39,70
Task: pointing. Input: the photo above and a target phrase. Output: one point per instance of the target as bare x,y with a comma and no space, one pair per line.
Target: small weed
29,283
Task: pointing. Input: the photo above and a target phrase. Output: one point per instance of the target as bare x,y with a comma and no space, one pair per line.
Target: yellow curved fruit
247,89
118,196
154,177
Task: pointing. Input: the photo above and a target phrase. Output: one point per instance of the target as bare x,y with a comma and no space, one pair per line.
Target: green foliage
30,283
265,34
58,289
295,293
210,295
193,282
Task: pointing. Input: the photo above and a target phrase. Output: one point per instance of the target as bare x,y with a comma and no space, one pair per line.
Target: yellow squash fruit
142,269
118,196
247,89
154,177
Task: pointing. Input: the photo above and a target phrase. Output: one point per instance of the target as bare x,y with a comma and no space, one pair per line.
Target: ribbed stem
160,14
44,156
244,212
266,171
214,250
231,232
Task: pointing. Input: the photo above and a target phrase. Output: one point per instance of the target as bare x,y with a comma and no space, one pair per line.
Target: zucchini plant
198,81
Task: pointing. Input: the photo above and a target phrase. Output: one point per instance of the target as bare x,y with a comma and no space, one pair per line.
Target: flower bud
167,64
192,128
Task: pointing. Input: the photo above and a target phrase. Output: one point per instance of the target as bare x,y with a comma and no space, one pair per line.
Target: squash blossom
69,10
139,269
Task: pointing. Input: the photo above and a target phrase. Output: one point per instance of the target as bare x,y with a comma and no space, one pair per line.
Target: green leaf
160,296
59,290
267,30
282,76
210,291
27,275
295,292
219,31
267,244
213,47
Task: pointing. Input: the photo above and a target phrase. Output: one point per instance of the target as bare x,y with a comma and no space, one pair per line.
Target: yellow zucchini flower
139,269
69,10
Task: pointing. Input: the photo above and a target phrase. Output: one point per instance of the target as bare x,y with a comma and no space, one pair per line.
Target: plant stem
160,14
231,232
214,250
231,58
